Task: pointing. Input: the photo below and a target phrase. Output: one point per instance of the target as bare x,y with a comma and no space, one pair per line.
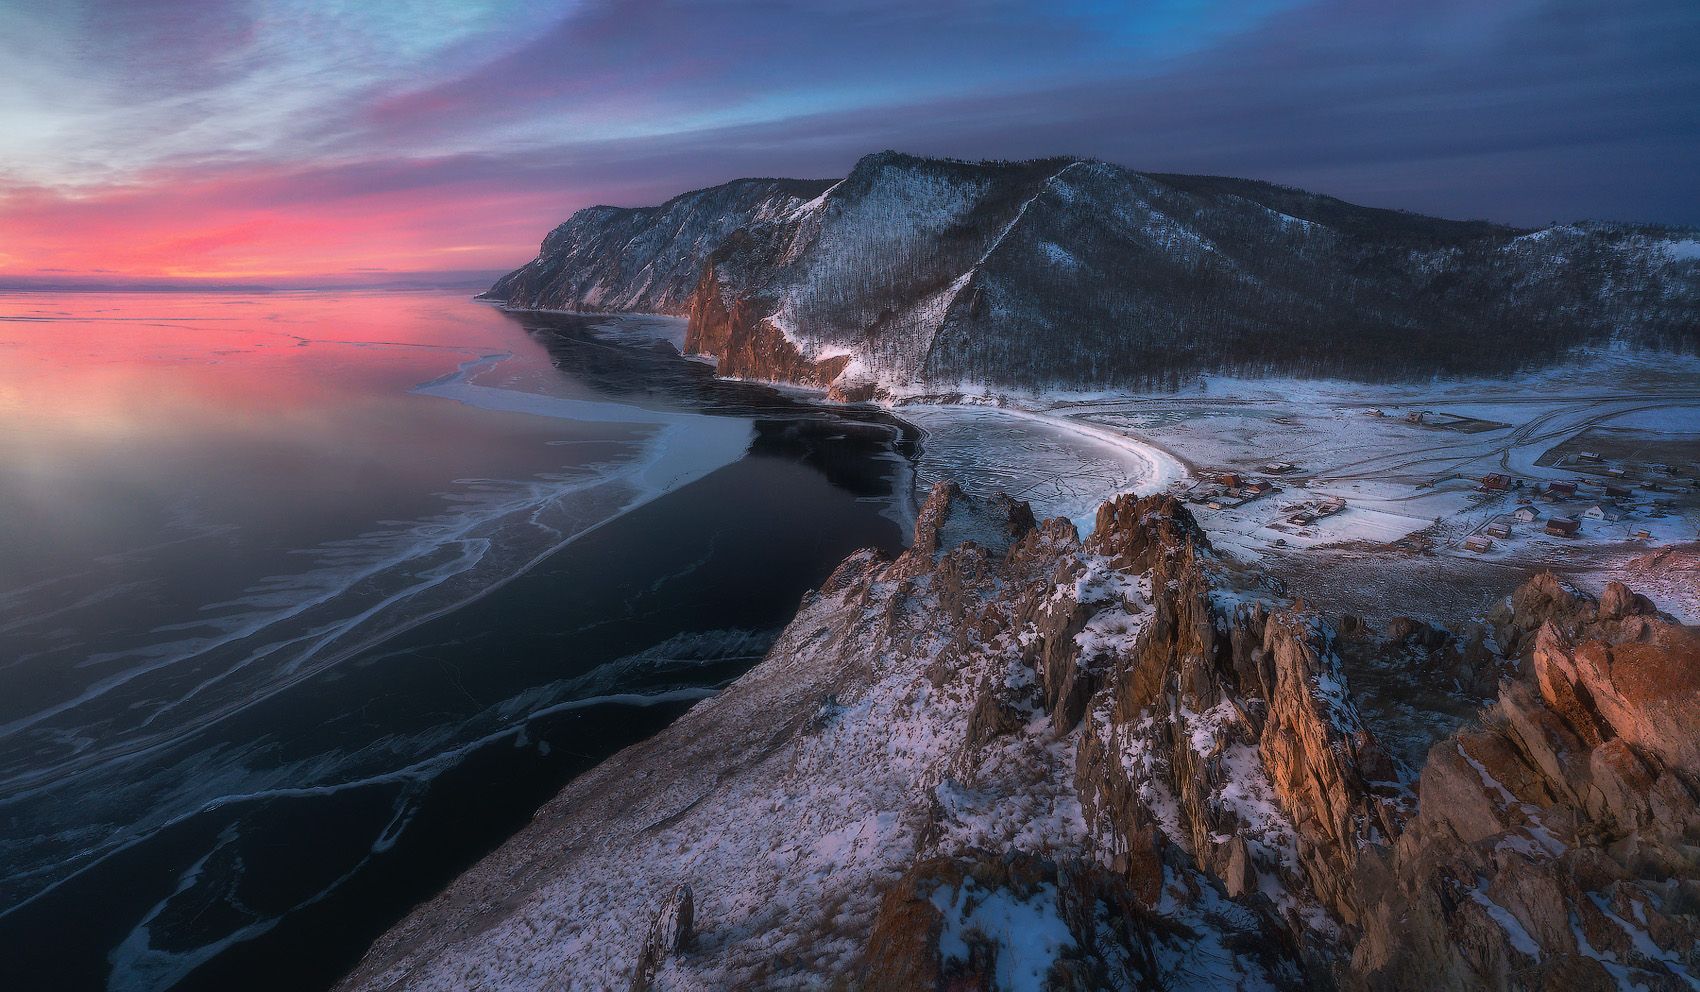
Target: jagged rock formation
1558,844
923,273
1010,758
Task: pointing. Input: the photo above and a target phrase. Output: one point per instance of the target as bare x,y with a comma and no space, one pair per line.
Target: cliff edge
1011,758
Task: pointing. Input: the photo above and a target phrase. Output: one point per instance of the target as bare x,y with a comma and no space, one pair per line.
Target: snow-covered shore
1062,466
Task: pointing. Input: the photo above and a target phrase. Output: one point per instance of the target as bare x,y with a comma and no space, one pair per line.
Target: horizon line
447,279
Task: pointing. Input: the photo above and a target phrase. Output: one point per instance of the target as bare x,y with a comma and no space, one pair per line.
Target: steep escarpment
646,259
1010,758
743,341
918,273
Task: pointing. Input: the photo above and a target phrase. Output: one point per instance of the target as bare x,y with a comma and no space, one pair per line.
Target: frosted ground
791,805
1413,492
844,751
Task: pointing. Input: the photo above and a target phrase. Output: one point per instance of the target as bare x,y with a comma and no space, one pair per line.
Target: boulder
670,933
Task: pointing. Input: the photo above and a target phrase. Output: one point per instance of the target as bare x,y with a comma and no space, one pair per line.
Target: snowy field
1376,473
1387,478
1401,489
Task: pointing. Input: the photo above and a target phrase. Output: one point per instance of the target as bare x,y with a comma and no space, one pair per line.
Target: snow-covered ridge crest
1082,274
645,259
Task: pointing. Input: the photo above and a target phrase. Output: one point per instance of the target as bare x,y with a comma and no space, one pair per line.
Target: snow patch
1514,930
1027,932
1687,250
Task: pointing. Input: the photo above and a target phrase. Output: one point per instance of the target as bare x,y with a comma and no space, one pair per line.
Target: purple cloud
1528,111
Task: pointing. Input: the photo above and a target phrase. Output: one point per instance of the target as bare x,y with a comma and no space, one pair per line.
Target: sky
297,142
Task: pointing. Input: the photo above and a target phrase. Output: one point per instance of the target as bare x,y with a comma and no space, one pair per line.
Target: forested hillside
925,273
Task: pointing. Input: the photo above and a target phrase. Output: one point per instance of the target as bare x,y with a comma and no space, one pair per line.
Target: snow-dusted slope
646,259
880,753
926,273
1013,760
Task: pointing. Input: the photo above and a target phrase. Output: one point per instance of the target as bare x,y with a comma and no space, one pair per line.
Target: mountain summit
928,273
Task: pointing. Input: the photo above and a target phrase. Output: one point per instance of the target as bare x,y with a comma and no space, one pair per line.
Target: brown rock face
1217,754
1241,716
1642,691
748,346
1556,846
1136,532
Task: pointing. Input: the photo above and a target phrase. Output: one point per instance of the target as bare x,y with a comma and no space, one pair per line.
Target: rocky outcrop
1557,845
1236,724
952,923
671,933
921,274
1554,846
1012,758
744,343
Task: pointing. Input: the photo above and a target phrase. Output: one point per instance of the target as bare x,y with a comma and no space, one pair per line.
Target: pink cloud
268,224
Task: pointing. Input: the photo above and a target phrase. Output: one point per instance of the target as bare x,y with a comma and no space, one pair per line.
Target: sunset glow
536,495
286,141
230,225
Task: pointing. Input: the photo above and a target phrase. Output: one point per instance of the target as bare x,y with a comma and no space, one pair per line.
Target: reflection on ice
154,688
277,609
688,446
372,586
289,626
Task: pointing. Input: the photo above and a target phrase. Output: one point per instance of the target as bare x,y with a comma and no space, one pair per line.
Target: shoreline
555,622
654,785
607,792
1167,466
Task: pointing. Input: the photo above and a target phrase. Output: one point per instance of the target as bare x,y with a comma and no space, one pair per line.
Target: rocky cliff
1010,758
918,273
646,259
1556,842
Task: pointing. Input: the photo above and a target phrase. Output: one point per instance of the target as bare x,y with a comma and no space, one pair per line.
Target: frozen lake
306,600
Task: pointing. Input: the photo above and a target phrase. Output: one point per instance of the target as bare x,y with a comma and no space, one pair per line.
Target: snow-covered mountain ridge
1012,759
915,273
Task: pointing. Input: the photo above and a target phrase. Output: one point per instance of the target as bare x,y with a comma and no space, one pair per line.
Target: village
1611,504
1231,490
1441,490
1603,502
1433,497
